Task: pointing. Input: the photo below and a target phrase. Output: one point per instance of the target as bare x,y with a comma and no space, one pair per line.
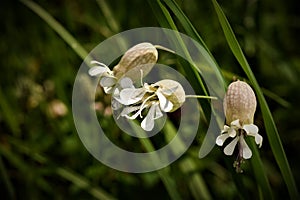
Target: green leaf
192,32
270,126
209,66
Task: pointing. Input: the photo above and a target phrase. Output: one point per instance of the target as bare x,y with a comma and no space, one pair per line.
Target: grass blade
16,160
166,20
187,25
187,165
6,180
270,126
108,14
209,65
57,27
192,32
163,173
82,183
216,77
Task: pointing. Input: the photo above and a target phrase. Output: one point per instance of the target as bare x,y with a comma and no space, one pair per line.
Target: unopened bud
239,103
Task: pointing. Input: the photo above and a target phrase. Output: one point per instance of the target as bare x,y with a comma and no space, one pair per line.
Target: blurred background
41,155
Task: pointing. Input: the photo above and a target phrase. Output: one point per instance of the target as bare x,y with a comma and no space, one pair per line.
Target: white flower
156,98
239,108
238,132
107,78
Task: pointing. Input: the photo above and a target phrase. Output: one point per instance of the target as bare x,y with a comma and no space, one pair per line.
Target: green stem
201,97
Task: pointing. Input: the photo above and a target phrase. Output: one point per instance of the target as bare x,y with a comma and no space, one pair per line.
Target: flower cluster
239,107
149,101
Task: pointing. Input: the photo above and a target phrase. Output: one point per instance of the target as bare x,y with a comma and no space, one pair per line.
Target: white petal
165,104
126,83
228,150
132,109
247,153
134,116
236,123
107,81
131,95
225,129
251,129
258,140
95,71
158,112
231,132
221,139
146,103
148,123
127,110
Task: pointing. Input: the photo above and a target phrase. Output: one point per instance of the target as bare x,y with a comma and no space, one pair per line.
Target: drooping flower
140,57
163,96
239,107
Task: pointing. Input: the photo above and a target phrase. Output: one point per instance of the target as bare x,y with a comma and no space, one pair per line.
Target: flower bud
142,56
173,91
239,103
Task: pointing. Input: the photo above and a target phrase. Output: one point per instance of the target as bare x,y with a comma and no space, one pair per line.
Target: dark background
41,154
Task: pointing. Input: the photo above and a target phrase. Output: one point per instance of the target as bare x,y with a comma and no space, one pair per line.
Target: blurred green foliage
41,155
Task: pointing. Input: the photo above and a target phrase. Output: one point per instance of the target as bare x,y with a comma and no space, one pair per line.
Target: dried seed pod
239,103
142,56
173,91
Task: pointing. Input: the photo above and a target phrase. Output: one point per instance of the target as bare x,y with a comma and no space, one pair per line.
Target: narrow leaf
270,126
57,27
